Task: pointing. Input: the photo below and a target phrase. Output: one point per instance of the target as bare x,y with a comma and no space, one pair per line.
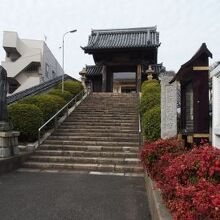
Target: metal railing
139,125
74,100
139,130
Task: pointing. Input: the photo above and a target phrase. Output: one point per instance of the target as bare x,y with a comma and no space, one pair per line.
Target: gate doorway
124,82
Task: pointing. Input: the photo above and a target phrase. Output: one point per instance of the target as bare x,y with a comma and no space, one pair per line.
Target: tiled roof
93,70
184,69
123,38
36,89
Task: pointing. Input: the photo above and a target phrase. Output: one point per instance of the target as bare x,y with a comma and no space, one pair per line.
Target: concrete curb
158,209
12,163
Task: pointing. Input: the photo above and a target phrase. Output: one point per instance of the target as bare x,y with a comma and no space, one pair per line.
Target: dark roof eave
202,49
93,50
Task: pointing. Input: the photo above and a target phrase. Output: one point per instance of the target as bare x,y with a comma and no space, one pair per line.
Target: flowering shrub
158,154
189,180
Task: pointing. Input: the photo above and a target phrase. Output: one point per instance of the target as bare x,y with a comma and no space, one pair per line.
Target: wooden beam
199,68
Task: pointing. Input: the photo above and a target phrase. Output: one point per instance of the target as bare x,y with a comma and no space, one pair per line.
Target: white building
28,62
215,75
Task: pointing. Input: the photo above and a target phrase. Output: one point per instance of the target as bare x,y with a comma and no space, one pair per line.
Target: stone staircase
101,135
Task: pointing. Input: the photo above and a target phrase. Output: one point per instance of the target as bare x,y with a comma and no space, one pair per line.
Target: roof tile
123,38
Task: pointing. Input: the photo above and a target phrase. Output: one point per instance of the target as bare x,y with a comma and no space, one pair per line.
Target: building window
46,70
53,74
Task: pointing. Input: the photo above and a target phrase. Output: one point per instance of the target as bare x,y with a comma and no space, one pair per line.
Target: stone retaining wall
157,207
12,163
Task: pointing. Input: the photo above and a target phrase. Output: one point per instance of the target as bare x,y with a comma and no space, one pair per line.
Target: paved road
61,196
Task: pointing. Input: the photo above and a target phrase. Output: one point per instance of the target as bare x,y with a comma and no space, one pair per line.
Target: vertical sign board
168,106
194,80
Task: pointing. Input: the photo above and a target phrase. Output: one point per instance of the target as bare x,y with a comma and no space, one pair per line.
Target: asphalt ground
61,196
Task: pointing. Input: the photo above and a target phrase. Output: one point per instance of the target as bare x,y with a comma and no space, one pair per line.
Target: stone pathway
101,135
75,196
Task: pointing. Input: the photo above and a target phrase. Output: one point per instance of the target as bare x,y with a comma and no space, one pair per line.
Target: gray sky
183,25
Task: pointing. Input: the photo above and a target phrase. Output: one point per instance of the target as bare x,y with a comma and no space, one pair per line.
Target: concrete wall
215,75
30,62
53,66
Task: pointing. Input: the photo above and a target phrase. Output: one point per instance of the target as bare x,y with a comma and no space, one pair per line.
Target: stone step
92,160
87,153
95,110
100,136
90,147
61,132
87,167
89,138
103,117
109,108
105,112
97,127
98,123
101,130
116,104
102,120
91,143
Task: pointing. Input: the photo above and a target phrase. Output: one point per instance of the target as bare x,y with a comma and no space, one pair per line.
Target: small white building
27,62
215,75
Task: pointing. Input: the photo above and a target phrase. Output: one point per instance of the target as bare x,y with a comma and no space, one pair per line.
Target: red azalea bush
156,156
189,179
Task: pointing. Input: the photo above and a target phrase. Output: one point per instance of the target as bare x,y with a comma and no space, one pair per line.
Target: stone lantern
149,73
83,73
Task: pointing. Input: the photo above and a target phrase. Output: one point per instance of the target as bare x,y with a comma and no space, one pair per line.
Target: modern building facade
28,62
215,75
121,58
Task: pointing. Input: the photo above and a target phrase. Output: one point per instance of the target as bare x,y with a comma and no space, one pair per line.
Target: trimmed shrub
26,118
73,87
150,86
149,109
48,104
59,100
149,101
58,92
189,179
156,155
151,123
29,100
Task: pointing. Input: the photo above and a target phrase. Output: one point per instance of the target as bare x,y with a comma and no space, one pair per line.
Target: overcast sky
183,25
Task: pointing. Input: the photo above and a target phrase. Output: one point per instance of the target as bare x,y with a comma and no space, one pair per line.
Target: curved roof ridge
124,30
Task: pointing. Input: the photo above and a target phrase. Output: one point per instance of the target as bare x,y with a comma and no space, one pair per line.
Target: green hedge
65,95
73,87
150,86
28,114
148,101
151,123
27,119
150,109
48,104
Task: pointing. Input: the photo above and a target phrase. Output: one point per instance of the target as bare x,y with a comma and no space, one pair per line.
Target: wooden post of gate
138,78
104,79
